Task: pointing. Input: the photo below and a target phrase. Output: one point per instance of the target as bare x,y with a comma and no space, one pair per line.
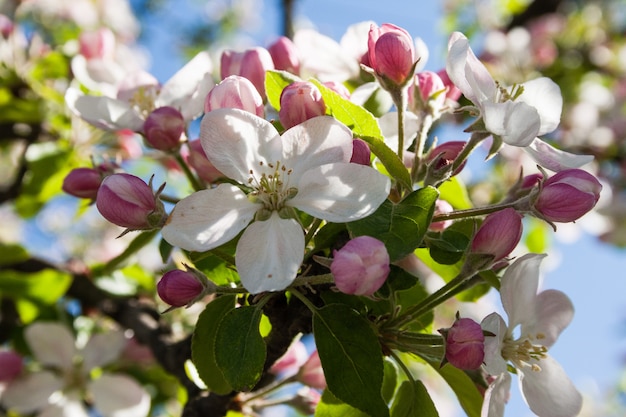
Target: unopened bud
427,92
235,92
251,64
338,88
441,207
464,344
391,53
127,201
163,129
361,153
10,365
311,373
292,360
181,288
497,236
285,55
443,156
300,101
200,163
361,266
83,183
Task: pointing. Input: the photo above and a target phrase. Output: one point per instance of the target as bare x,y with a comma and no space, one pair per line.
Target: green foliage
275,83
203,344
412,400
351,357
401,226
239,347
449,246
331,406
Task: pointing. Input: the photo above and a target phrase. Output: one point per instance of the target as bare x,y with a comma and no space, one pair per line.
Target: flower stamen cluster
522,352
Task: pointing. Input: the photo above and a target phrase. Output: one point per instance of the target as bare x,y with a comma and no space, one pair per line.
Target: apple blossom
516,115
64,380
307,168
361,266
300,101
541,317
567,196
235,92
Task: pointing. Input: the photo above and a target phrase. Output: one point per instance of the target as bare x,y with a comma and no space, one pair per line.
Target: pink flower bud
361,266
465,344
529,181
83,183
338,88
163,129
200,163
567,196
285,55
453,93
430,88
251,64
127,201
498,235
444,155
305,401
311,373
391,52
441,207
300,101
10,365
99,44
179,288
361,153
235,92
292,360
6,26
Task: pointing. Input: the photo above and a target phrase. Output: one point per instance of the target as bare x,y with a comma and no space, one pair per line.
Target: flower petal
318,141
516,123
102,349
209,218
341,192
70,404
496,396
467,72
52,344
323,57
103,112
31,392
555,159
269,254
188,88
494,362
518,290
549,392
544,95
553,312
236,142
119,396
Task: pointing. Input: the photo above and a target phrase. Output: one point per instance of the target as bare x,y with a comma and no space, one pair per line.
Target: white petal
494,362
237,141
516,123
354,41
496,396
389,127
51,343
544,95
549,392
518,290
318,141
341,192
179,90
67,405
324,58
97,74
103,112
553,313
554,159
364,92
31,392
467,72
102,349
269,254
209,218
119,396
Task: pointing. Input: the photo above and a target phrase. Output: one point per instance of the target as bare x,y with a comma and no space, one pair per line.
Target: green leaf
239,348
410,297
400,226
331,406
42,287
203,344
365,126
412,400
449,247
351,358
464,388
454,192
11,254
390,380
275,82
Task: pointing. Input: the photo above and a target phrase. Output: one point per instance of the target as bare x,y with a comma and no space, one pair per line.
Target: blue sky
590,273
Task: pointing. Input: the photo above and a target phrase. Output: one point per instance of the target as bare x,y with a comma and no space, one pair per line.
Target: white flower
516,115
140,93
306,168
542,317
58,389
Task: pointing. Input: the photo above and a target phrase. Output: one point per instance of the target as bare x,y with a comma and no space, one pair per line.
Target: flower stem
473,212
471,144
195,183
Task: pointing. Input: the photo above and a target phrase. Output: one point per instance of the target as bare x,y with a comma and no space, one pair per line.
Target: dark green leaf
412,400
203,344
165,250
351,358
239,347
410,297
390,380
12,254
400,226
